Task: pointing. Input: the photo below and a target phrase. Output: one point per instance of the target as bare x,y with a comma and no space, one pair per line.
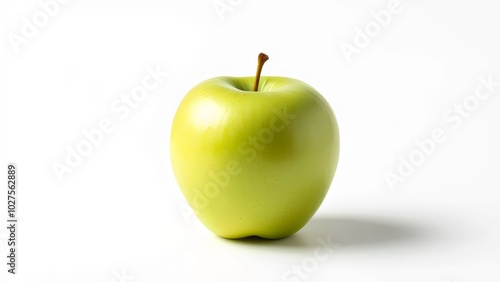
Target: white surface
119,215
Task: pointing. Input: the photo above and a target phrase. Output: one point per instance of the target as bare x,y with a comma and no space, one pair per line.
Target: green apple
254,156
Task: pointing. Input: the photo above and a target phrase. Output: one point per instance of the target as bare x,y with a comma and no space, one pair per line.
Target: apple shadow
344,232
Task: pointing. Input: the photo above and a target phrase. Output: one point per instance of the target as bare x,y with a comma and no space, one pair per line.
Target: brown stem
261,60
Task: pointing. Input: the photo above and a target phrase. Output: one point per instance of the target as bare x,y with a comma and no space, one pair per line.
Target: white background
119,215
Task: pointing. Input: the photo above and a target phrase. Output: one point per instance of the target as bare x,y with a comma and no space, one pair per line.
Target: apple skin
254,163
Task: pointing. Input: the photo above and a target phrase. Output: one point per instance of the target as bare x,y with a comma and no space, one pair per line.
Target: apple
254,156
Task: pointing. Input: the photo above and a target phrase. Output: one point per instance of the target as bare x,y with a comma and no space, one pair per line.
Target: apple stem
260,63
